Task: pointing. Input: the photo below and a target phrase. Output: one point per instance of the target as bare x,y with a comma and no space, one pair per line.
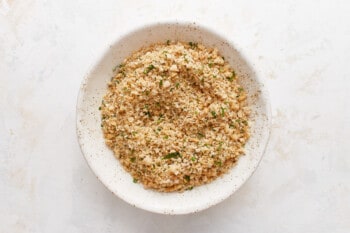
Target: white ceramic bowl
109,170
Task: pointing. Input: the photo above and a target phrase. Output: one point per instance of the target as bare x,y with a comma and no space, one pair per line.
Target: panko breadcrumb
175,116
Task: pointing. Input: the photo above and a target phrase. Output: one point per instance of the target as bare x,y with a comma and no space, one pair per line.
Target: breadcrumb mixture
175,116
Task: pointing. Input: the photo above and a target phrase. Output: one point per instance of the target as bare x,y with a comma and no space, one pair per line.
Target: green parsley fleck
172,155
223,111
190,188
148,113
232,77
193,45
166,137
160,118
132,159
187,178
168,42
213,113
218,163
177,85
220,145
148,69
135,180
161,83
200,135
240,89
99,108
210,65
193,158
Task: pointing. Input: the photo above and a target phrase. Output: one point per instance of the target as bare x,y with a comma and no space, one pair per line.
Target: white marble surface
302,48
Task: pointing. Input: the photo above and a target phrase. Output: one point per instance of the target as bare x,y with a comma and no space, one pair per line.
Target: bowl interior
108,169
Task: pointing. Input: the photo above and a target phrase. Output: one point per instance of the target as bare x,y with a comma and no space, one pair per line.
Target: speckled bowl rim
264,96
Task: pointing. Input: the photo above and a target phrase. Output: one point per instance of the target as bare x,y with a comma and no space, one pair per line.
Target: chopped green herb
232,77
159,128
232,125
157,104
177,85
240,89
218,163
238,121
223,111
220,145
160,118
193,158
172,155
190,188
148,113
101,125
168,42
200,135
166,137
210,65
147,92
135,180
187,178
245,122
213,113
132,159
161,83
148,69
193,45
99,108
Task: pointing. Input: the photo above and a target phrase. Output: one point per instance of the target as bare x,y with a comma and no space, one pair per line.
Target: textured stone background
302,49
